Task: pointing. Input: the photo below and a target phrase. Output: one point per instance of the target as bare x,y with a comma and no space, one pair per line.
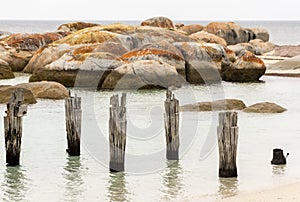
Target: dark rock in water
75,26
5,94
219,105
278,157
247,68
5,71
265,107
191,29
208,38
17,49
231,32
143,74
285,51
159,22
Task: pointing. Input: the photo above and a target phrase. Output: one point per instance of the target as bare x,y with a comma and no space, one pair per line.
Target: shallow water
48,173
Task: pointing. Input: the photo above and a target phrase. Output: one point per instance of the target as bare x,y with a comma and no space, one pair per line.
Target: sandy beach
288,193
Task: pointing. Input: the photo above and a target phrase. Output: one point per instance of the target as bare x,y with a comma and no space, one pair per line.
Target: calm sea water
47,173
282,32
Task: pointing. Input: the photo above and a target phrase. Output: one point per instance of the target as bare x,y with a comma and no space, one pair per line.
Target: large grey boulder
143,74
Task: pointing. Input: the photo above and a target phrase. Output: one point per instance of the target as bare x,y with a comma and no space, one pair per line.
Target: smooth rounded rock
208,38
219,105
46,90
265,107
143,74
6,91
247,68
159,22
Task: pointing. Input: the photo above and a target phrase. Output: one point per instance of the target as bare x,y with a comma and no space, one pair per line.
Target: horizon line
136,20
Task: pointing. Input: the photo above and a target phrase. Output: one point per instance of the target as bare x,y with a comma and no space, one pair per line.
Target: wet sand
286,193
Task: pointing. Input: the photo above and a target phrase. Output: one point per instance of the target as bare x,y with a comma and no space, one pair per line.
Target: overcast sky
138,10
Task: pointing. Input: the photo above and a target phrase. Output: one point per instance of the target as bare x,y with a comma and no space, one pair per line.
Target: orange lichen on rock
118,28
75,26
250,57
85,49
86,36
159,22
191,29
31,42
144,52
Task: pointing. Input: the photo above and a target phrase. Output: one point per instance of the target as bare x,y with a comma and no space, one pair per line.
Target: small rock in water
265,107
219,105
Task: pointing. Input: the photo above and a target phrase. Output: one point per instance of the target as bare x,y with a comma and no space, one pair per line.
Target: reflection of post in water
117,190
228,187
278,169
15,184
172,179
73,176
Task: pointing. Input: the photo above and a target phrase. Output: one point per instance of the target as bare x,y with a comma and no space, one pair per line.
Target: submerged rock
219,105
143,74
265,107
247,68
285,51
5,94
288,64
75,26
159,22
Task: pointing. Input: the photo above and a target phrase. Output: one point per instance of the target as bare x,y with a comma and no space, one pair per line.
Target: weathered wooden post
278,157
73,124
172,126
13,127
227,141
117,133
